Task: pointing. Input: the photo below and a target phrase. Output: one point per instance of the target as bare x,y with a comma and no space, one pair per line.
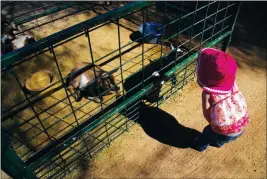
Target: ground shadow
163,127
250,26
249,42
136,37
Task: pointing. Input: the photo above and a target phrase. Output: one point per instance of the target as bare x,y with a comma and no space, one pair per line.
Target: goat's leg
95,99
154,94
174,80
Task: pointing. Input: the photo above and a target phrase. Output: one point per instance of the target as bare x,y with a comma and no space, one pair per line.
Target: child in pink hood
224,106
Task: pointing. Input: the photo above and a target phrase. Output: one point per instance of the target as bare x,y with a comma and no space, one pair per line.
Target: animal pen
46,133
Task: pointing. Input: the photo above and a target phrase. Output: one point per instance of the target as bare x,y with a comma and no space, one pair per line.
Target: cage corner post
11,164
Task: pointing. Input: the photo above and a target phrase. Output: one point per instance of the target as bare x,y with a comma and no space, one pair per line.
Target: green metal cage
48,134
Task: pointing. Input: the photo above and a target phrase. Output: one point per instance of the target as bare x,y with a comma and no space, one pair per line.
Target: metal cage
47,134
34,14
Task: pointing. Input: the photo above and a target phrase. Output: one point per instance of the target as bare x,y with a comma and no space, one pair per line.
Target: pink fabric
228,112
216,71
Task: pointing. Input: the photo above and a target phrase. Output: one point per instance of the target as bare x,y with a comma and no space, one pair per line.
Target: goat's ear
68,78
172,47
114,70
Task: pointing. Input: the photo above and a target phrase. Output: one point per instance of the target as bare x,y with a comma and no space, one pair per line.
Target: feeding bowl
39,81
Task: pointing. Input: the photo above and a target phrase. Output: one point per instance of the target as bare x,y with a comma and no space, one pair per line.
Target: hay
38,81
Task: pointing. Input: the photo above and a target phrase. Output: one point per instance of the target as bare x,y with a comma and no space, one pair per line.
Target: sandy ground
137,155
140,154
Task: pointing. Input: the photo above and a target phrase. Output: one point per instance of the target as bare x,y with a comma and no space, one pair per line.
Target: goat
89,84
22,41
9,44
8,27
153,73
10,41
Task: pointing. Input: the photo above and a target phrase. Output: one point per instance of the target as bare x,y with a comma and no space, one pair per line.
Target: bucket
152,32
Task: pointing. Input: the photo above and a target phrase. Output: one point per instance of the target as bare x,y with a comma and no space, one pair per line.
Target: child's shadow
165,128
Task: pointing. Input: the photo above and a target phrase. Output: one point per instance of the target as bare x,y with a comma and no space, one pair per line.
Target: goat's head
29,41
106,83
177,50
72,83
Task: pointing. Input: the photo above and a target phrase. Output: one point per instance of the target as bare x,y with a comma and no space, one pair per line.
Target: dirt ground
142,154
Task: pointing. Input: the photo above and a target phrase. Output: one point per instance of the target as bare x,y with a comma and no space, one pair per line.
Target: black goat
154,72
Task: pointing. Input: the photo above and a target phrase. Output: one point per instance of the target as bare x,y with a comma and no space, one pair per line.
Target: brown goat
91,84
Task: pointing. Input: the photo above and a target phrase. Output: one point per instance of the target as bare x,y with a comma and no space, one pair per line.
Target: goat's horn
114,70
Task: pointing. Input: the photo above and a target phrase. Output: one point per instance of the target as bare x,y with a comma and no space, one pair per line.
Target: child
224,107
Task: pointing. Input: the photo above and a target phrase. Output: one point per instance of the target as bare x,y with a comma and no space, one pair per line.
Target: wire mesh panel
93,76
31,15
